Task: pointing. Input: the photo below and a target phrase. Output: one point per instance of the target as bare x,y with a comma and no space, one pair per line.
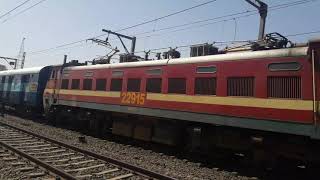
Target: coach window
116,85
87,84
101,84
133,85
177,85
64,83
75,84
154,85
205,86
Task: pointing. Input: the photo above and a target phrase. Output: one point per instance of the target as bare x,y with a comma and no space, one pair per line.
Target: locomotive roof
21,71
234,56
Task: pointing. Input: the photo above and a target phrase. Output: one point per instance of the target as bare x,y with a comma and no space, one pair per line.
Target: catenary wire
133,26
7,13
11,17
276,7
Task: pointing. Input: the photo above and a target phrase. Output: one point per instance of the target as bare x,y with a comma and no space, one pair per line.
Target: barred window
205,86
101,84
154,85
116,85
75,84
87,84
177,85
133,85
284,87
241,86
65,84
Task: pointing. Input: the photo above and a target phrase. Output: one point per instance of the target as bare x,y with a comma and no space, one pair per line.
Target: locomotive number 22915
133,98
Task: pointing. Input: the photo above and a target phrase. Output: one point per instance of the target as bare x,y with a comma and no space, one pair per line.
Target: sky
56,22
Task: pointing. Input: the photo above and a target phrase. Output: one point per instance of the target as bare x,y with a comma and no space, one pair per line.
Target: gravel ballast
145,158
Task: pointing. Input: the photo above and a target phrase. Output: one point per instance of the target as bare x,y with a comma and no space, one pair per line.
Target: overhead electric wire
7,13
136,25
280,6
247,14
304,33
166,16
272,8
11,17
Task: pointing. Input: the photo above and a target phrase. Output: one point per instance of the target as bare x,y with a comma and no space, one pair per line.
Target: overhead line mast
263,11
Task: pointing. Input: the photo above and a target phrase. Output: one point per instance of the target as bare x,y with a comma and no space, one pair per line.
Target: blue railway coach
22,89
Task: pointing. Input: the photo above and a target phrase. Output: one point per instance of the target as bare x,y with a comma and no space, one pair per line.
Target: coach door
24,83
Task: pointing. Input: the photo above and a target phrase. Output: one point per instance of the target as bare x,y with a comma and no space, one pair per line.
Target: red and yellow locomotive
233,100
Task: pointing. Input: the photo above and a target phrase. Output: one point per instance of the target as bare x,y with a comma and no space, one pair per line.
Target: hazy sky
56,22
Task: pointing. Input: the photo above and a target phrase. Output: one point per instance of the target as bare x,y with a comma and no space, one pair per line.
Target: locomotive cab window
205,86
133,85
87,84
64,83
177,85
285,66
75,84
116,85
154,85
101,84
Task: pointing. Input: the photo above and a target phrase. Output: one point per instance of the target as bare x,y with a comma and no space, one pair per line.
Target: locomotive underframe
258,145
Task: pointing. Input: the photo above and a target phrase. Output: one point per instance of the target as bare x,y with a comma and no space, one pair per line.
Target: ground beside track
169,164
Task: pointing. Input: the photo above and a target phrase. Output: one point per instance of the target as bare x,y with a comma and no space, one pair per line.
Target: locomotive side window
205,86
285,66
116,85
133,85
177,85
64,83
87,84
241,86
284,87
207,69
75,84
154,72
154,85
101,84
117,73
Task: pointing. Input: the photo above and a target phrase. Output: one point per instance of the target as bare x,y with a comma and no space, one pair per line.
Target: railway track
42,157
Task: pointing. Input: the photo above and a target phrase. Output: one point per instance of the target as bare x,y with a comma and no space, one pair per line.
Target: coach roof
21,71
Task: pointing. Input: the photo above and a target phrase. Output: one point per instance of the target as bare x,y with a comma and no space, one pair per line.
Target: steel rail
47,166
113,161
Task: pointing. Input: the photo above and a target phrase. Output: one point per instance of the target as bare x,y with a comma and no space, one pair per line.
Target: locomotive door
50,96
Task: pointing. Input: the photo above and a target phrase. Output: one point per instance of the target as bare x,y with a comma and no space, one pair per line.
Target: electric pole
263,11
